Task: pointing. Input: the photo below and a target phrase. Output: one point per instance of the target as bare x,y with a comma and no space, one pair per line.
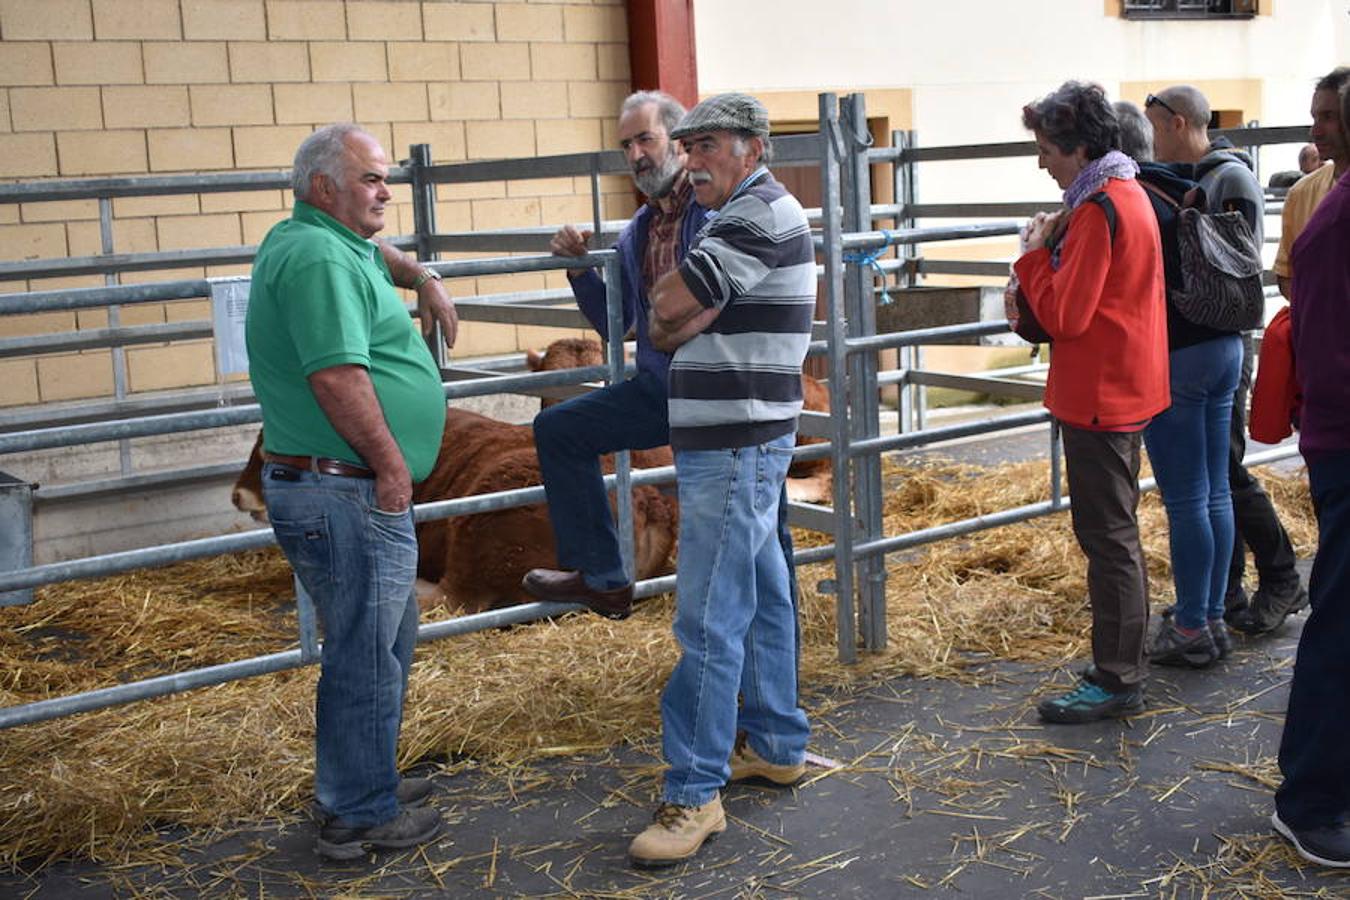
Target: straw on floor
104,785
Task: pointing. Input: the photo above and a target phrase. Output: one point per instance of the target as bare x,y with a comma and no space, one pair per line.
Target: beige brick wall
126,87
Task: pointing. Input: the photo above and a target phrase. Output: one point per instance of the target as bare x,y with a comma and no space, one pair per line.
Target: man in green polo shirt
353,411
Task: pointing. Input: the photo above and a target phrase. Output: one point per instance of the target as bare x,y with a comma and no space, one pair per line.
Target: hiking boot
411,793
676,833
1172,648
1270,607
1090,702
1327,846
407,829
1223,641
746,763
1234,604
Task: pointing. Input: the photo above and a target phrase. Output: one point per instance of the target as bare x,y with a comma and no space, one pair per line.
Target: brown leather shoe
560,586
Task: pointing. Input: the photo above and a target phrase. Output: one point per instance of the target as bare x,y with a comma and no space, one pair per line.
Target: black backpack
1220,266
1029,328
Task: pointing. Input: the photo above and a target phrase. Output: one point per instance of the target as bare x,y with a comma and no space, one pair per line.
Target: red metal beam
661,47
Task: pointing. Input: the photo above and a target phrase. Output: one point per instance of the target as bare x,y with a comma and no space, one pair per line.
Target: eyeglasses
1154,99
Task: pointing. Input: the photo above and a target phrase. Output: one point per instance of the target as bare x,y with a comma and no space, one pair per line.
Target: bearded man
630,415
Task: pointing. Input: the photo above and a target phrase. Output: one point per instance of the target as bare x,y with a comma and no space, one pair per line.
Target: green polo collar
312,215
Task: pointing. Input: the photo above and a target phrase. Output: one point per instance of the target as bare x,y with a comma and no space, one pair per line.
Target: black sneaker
407,829
1234,604
1223,641
1270,607
1091,702
1329,846
413,792
1172,648
410,793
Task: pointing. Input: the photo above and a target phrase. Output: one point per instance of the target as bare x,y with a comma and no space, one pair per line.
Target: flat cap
725,112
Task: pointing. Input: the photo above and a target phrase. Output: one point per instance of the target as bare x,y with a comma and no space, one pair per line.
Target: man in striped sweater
736,314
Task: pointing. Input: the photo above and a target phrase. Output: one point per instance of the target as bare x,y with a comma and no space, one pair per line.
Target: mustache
700,178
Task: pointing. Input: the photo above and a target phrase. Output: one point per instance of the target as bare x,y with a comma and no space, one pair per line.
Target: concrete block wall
93,88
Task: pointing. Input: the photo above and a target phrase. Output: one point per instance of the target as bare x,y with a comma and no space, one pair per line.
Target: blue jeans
1188,445
358,564
570,438
734,620
1316,788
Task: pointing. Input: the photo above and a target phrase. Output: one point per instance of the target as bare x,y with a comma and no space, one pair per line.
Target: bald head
1309,159
1180,119
1189,103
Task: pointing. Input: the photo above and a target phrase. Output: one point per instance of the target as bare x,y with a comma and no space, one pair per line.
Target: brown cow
812,480
564,353
476,561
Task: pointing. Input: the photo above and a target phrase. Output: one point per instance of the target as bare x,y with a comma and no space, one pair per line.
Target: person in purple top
1312,805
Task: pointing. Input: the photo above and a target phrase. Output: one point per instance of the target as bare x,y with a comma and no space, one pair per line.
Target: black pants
1258,526
1103,471
1316,788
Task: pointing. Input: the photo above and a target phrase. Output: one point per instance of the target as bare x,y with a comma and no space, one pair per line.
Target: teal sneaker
1091,702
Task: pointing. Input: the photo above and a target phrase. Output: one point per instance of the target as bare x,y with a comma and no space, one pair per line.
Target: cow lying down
475,562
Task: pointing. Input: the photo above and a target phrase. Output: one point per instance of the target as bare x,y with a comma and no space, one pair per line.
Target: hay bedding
99,785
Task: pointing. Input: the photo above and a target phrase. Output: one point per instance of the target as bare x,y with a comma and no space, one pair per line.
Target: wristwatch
426,275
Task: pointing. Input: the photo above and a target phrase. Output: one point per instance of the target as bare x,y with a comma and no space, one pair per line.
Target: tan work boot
746,763
676,833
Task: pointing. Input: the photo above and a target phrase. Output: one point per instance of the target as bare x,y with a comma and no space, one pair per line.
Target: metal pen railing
849,339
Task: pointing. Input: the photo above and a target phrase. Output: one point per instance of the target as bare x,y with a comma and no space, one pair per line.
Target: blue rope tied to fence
871,259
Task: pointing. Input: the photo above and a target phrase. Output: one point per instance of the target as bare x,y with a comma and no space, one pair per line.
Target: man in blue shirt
630,415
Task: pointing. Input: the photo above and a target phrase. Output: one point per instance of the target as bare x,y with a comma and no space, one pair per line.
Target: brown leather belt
324,465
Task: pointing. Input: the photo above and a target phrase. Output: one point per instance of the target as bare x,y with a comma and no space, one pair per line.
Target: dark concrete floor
931,788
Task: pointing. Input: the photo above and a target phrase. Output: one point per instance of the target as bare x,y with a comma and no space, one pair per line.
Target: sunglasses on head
1155,100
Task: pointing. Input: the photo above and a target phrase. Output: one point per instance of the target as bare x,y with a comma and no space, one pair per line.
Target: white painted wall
972,64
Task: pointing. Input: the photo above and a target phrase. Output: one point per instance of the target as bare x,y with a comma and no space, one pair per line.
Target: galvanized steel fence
853,255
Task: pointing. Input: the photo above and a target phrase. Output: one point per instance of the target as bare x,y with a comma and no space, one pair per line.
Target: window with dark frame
1189,9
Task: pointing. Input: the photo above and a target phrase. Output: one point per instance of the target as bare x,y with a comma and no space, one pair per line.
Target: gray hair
321,154
1188,103
1076,114
740,145
1136,131
668,109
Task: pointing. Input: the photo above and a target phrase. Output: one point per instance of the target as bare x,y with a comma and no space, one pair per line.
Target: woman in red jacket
1098,293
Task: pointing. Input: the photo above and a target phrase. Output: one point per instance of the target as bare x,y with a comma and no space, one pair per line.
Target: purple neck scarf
1089,181
1113,164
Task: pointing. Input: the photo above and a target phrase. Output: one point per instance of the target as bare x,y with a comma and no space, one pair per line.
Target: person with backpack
1180,118
1098,295
1188,443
